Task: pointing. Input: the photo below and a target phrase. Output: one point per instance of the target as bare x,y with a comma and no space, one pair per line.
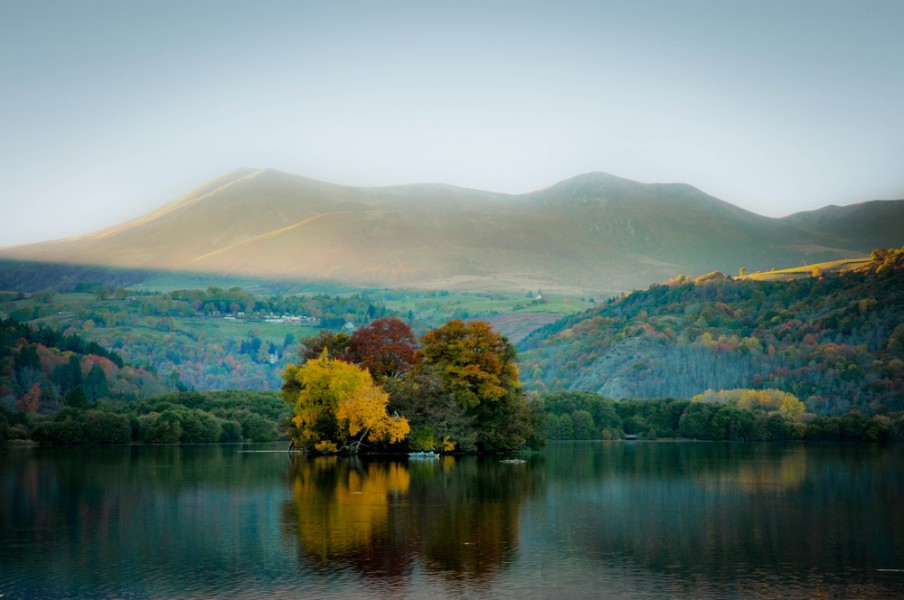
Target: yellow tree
769,400
337,406
365,417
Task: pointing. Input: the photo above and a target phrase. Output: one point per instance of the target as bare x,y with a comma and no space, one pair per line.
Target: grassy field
836,266
227,328
434,308
170,281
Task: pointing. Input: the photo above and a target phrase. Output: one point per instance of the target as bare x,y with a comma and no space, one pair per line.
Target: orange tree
478,389
338,407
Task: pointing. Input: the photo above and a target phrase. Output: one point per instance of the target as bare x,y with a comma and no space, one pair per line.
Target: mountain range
593,233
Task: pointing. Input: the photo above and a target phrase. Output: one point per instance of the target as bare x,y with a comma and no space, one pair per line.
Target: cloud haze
111,108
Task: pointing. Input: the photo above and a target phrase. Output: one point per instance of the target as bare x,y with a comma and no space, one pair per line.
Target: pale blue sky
110,108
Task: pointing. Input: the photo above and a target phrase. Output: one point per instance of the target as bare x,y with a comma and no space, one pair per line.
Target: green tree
694,423
102,427
231,432
584,428
69,375
160,428
438,421
96,386
199,427
562,427
76,398
334,343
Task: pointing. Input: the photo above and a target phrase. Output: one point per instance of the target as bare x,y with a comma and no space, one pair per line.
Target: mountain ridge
591,233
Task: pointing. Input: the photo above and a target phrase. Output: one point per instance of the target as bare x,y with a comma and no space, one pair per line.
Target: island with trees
458,391
809,354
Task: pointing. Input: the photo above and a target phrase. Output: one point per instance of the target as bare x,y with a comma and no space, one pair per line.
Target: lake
578,520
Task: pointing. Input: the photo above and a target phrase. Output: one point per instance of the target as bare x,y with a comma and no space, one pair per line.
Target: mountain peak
593,232
593,179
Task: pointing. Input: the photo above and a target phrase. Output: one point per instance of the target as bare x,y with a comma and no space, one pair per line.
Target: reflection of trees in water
120,521
340,510
782,474
467,514
458,515
707,512
754,468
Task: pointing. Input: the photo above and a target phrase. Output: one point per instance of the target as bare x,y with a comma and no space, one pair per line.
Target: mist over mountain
877,223
593,233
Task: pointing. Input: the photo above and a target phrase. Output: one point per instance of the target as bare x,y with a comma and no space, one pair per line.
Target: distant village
300,320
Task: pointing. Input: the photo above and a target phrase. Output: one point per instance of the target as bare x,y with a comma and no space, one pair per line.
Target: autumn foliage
337,406
387,348
476,363
769,400
459,391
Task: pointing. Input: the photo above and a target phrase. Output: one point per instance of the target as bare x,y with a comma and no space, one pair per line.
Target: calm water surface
582,520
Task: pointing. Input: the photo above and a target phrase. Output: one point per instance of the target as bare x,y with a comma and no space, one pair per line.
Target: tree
96,386
477,366
199,426
694,423
337,406
438,421
387,348
160,428
561,427
474,362
334,343
69,375
769,400
366,418
231,432
27,358
30,400
896,341
76,397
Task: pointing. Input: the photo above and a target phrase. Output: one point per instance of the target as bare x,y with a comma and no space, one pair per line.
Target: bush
106,428
68,431
160,428
199,427
17,432
230,432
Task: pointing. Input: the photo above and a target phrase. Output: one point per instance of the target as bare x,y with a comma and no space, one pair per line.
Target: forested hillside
41,369
835,340
209,339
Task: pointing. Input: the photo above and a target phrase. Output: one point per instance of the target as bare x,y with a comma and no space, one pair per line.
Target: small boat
423,455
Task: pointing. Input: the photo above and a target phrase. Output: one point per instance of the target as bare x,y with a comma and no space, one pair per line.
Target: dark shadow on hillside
34,276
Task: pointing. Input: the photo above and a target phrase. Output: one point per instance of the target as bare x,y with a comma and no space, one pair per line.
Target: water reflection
339,510
457,517
734,516
133,522
749,468
657,520
757,477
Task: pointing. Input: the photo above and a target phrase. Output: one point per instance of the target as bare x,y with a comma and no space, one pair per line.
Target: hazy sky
109,109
